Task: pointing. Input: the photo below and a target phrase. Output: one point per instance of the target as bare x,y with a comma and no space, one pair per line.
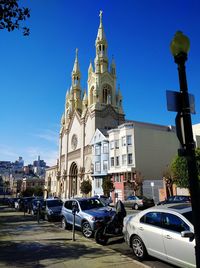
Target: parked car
34,205
165,232
11,201
176,199
106,200
89,212
51,209
136,202
23,203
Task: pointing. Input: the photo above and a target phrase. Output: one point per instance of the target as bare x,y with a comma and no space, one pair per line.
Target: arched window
107,94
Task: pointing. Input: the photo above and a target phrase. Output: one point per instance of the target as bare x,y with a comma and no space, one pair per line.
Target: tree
180,170
12,16
107,186
86,187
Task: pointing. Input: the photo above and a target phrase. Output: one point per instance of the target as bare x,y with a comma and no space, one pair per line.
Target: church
100,107
96,140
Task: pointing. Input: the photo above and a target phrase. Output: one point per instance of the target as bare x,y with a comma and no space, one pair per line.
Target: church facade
100,107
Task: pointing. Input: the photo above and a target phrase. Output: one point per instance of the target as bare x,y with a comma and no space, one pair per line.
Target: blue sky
36,70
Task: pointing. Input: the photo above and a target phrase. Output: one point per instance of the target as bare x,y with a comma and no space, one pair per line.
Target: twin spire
75,100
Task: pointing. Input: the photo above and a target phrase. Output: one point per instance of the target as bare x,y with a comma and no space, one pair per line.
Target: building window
123,159
124,141
105,165
117,144
117,161
97,167
112,161
112,145
117,177
97,183
129,140
130,159
97,150
105,148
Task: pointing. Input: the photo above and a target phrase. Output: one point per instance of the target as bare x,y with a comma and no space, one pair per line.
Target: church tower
100,106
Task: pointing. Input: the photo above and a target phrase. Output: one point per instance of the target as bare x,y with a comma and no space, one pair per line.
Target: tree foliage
107,186
179,170
86,187
36,191
12,16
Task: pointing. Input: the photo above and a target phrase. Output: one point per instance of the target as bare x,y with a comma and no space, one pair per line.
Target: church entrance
73,180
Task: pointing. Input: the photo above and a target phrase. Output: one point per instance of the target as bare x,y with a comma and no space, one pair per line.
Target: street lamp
179,47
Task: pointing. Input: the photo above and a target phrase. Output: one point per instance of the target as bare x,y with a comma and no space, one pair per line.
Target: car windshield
188,216
90,204
54,203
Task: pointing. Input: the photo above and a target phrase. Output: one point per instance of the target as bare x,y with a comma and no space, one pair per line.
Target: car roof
81,198
177,207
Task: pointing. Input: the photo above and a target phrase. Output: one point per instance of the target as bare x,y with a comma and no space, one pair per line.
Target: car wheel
100,237
86,229
139,249
136,207
63,223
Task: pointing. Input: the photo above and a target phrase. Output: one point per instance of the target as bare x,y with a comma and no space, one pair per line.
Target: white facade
100,160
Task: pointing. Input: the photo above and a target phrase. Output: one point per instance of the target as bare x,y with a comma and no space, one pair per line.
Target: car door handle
141,228
168,237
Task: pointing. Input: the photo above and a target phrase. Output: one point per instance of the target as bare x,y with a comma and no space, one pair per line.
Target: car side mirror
188,234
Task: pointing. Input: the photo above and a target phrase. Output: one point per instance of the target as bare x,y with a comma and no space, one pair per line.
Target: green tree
12,16
86,187
179,170
107,186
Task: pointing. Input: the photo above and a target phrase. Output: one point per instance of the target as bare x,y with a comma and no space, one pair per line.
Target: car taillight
140,202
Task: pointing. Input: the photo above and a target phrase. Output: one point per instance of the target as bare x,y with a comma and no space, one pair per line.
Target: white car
165,232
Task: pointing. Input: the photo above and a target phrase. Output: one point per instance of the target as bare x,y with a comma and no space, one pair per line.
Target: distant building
51,178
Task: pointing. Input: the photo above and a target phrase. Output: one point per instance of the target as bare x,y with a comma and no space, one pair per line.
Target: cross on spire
100,15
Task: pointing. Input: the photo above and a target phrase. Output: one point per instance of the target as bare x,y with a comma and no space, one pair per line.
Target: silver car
89,212
165,232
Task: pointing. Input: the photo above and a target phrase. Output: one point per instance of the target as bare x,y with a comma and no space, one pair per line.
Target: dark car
11,201
23,203
136,202
51,209
176,199
34,205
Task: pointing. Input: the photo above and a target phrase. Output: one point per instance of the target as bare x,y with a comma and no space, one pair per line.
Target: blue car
89,212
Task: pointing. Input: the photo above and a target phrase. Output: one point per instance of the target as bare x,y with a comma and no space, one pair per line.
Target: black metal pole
189,147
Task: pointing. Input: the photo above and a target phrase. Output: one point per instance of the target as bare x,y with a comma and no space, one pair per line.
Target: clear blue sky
36,70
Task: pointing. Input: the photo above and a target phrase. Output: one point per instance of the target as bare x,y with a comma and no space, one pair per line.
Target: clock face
74,141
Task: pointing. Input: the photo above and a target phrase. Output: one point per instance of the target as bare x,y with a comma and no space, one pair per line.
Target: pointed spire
90,69
76,69
101,35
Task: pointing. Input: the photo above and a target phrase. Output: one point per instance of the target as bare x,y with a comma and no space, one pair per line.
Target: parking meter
38,210
74,210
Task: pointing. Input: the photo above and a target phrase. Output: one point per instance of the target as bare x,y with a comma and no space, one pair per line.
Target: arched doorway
73,179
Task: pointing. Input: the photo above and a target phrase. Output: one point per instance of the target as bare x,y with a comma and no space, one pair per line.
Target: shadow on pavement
29,254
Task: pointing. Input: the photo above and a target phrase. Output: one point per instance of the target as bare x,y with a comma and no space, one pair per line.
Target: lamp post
179,47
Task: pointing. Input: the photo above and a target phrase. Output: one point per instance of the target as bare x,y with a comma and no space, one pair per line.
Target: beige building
100,107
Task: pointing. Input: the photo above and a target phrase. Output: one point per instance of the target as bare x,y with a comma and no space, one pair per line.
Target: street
25,243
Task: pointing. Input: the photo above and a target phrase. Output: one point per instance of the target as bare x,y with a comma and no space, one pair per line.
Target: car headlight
50,211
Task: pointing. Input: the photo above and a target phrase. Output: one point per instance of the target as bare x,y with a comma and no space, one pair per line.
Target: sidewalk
24,243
